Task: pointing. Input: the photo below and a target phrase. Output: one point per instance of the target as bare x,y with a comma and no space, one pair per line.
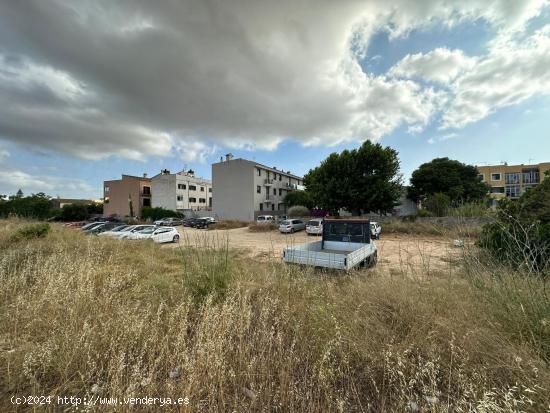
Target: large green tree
460,182
362,180
299,198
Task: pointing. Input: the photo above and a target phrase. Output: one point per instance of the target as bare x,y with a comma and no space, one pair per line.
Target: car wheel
176,238
292,230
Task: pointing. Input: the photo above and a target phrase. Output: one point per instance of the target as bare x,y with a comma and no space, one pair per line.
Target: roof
269,168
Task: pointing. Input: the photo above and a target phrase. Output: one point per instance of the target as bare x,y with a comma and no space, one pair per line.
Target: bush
228,224
469,209
438,204
31,231
154,213
298,211
422,213
520,235
75,212
36,206
262,227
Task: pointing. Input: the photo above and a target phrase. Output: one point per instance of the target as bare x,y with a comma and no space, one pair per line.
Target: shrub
438,204
298,211
75,212
262,227
422,213
228,224
520,235
154,213
31,231
469,209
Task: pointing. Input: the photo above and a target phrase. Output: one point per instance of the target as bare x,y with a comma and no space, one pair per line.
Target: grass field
85,316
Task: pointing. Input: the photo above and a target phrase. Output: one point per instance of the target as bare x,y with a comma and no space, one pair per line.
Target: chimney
145,175
228,157
165,172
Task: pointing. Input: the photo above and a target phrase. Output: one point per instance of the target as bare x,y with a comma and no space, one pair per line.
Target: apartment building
120,194
244,189
510,181
181,191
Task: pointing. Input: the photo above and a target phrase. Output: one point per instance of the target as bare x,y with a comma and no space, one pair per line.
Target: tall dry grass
87,316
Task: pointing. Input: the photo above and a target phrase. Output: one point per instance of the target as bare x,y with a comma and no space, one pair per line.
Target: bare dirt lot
396,253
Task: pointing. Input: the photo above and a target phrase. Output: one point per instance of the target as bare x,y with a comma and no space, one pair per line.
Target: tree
361,180
74,212
35,206
299,198
438,204
460,182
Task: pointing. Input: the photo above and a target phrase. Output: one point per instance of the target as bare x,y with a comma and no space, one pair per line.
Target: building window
274,191
179,197
193,200
182,186
210,201
496,177
497,190
513,191
192,188
273,207
259,189
280,177
146,202
512,178
261,207
210,190
107,189
280,192
202,188
146,190
531,177
259,171
202,201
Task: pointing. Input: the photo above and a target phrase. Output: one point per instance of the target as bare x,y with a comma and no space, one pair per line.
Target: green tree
299,198
366,179
438,204
460,182
36,206
75,212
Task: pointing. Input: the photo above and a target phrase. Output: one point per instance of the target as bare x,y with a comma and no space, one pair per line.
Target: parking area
397,253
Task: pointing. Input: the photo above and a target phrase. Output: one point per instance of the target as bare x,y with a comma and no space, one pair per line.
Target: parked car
169,222
315,226
116,230
265,219
157,234
201,223
188,222
292,225
212,220
91,225
125,234
102,228
345,245
375,230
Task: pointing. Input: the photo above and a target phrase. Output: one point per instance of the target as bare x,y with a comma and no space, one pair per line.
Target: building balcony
268,182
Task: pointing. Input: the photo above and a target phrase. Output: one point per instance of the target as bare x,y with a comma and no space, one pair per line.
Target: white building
181,191
245,189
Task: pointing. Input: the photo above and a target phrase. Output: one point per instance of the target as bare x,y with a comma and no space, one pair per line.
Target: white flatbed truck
345,244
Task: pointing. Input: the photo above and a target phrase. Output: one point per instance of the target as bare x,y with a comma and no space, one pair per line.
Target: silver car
292,225
315,227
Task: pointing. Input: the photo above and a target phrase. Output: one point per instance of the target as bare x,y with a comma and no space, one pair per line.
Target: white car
129,231
158,235
291,226
265,219
116,231
375,230
315,226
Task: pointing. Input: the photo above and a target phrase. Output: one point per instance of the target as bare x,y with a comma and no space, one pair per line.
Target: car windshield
313,223
285,223
129,228
261,218
119,228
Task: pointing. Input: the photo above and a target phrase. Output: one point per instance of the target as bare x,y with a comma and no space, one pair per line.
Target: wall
120,191
163,188
233,190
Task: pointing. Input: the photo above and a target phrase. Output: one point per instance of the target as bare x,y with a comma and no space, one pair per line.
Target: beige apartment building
120,193
181,192
244,189
510,181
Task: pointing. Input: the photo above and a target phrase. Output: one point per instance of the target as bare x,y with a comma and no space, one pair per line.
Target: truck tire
373,259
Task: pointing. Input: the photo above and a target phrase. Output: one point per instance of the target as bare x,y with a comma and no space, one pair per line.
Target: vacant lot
401,253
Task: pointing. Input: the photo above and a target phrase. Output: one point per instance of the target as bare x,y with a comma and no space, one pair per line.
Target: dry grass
228,224
426,228
263,227
82,316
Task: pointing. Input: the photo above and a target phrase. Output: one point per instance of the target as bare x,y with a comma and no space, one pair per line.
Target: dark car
102,228
189,222
201,223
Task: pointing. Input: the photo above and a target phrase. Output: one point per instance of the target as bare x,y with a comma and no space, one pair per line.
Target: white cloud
510,74
12,179
96,78
440,65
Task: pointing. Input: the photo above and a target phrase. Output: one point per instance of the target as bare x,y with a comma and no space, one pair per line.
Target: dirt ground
396,253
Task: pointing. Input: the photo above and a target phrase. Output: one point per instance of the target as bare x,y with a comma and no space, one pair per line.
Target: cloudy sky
93,89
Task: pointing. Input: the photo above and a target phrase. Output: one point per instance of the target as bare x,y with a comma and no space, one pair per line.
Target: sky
90,90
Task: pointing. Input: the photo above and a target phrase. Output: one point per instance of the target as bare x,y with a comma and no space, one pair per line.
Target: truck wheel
373,259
